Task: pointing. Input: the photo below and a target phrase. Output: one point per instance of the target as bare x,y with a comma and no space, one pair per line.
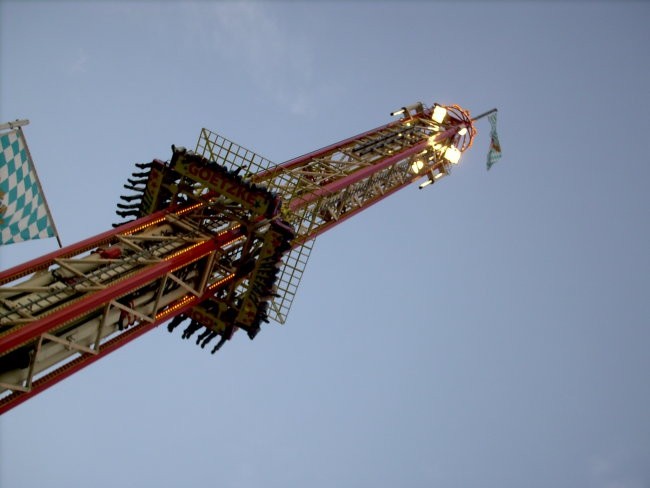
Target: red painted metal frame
292,163
45,261
33,330
363,173
86,359
334,223
95,300
52,322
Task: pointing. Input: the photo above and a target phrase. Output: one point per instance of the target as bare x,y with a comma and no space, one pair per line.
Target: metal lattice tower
219,236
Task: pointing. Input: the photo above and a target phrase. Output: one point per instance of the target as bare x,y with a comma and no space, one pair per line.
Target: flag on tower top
24,214
494,154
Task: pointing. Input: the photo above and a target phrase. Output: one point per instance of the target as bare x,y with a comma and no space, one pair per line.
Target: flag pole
485,114
15,123
38,182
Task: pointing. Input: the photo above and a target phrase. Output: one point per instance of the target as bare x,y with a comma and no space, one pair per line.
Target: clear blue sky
490,331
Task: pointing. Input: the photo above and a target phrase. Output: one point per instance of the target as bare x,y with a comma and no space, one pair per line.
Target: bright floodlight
439,114
452,154
463,131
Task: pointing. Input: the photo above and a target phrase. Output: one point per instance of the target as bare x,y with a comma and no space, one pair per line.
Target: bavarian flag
23,211
494,154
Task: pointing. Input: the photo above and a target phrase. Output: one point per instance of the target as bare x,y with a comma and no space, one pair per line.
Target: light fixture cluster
447,129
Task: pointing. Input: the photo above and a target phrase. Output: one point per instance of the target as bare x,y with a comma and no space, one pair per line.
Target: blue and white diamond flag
23,211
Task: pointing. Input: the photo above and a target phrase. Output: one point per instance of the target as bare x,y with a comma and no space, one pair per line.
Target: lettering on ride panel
152,192
208,319
215,315
253,198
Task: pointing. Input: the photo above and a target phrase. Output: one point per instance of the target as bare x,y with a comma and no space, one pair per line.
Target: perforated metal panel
233,156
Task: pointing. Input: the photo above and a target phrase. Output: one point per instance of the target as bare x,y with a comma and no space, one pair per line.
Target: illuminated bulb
439,114
463,131
432,142
397,112
426,183
452,154
438,176
417,166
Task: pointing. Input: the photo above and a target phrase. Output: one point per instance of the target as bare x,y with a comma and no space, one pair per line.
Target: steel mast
218,236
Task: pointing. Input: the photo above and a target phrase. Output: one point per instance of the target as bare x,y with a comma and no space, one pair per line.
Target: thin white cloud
249,37
79,63
606,472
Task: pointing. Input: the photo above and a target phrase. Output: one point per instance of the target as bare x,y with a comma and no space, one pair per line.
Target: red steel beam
44,262
86,359
333,223
363,173
359,175
32,330
96,300
292,163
